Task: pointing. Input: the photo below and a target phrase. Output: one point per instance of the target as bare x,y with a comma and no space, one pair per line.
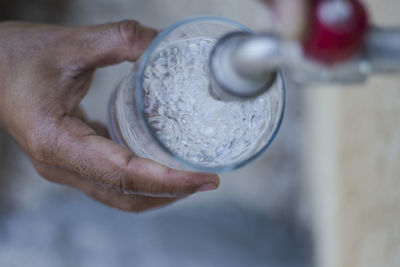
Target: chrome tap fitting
243,65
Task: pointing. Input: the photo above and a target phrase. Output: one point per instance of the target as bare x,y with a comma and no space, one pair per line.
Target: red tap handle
337,30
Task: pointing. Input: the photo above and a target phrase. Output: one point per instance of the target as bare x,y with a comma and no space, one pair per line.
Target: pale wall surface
353,166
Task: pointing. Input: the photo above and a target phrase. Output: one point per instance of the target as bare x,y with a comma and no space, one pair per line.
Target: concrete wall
352,168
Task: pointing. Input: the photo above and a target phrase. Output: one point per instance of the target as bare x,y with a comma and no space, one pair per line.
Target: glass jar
163,110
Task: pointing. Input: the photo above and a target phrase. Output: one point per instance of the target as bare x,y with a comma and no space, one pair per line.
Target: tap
341,47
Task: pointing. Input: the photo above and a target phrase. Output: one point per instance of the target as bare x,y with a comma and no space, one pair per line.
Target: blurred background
252,220
326,193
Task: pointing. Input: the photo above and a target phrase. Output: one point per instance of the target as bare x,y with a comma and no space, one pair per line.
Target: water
185,117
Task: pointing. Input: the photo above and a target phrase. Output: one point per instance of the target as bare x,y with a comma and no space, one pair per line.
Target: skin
45,71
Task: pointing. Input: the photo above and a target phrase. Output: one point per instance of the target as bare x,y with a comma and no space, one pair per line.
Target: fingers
98,127
79,149
107,44
102,193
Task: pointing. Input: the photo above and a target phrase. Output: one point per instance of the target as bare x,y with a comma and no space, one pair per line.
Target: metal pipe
244,65
383,49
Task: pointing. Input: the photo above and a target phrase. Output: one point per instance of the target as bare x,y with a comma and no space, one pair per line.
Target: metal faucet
244,65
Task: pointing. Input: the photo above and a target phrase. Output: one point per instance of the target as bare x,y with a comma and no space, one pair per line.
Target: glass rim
141,106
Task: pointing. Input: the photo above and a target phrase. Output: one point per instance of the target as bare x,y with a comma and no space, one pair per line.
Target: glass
163,110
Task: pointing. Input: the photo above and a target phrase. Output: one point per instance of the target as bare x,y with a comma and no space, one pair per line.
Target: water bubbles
193,47
154,85
187,119
257,121
164,124
160,68
147,73
165,53
172,61
209,131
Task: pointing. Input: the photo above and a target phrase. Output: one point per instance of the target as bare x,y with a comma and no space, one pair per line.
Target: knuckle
128,186
40,146
127,181
158,189
128,30
37,149
169,182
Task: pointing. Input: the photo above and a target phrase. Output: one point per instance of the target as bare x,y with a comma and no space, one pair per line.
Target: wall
352,165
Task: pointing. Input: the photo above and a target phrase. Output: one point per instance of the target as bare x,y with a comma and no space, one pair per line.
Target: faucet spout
239,66
244,65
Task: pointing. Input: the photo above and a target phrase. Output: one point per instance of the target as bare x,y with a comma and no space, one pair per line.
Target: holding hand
45,71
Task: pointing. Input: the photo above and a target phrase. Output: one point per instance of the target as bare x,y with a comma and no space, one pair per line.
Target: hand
293,16
45,71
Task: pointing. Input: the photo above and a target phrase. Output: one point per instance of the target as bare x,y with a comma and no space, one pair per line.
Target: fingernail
206,187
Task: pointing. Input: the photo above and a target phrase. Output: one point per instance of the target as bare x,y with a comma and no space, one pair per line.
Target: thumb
107,44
